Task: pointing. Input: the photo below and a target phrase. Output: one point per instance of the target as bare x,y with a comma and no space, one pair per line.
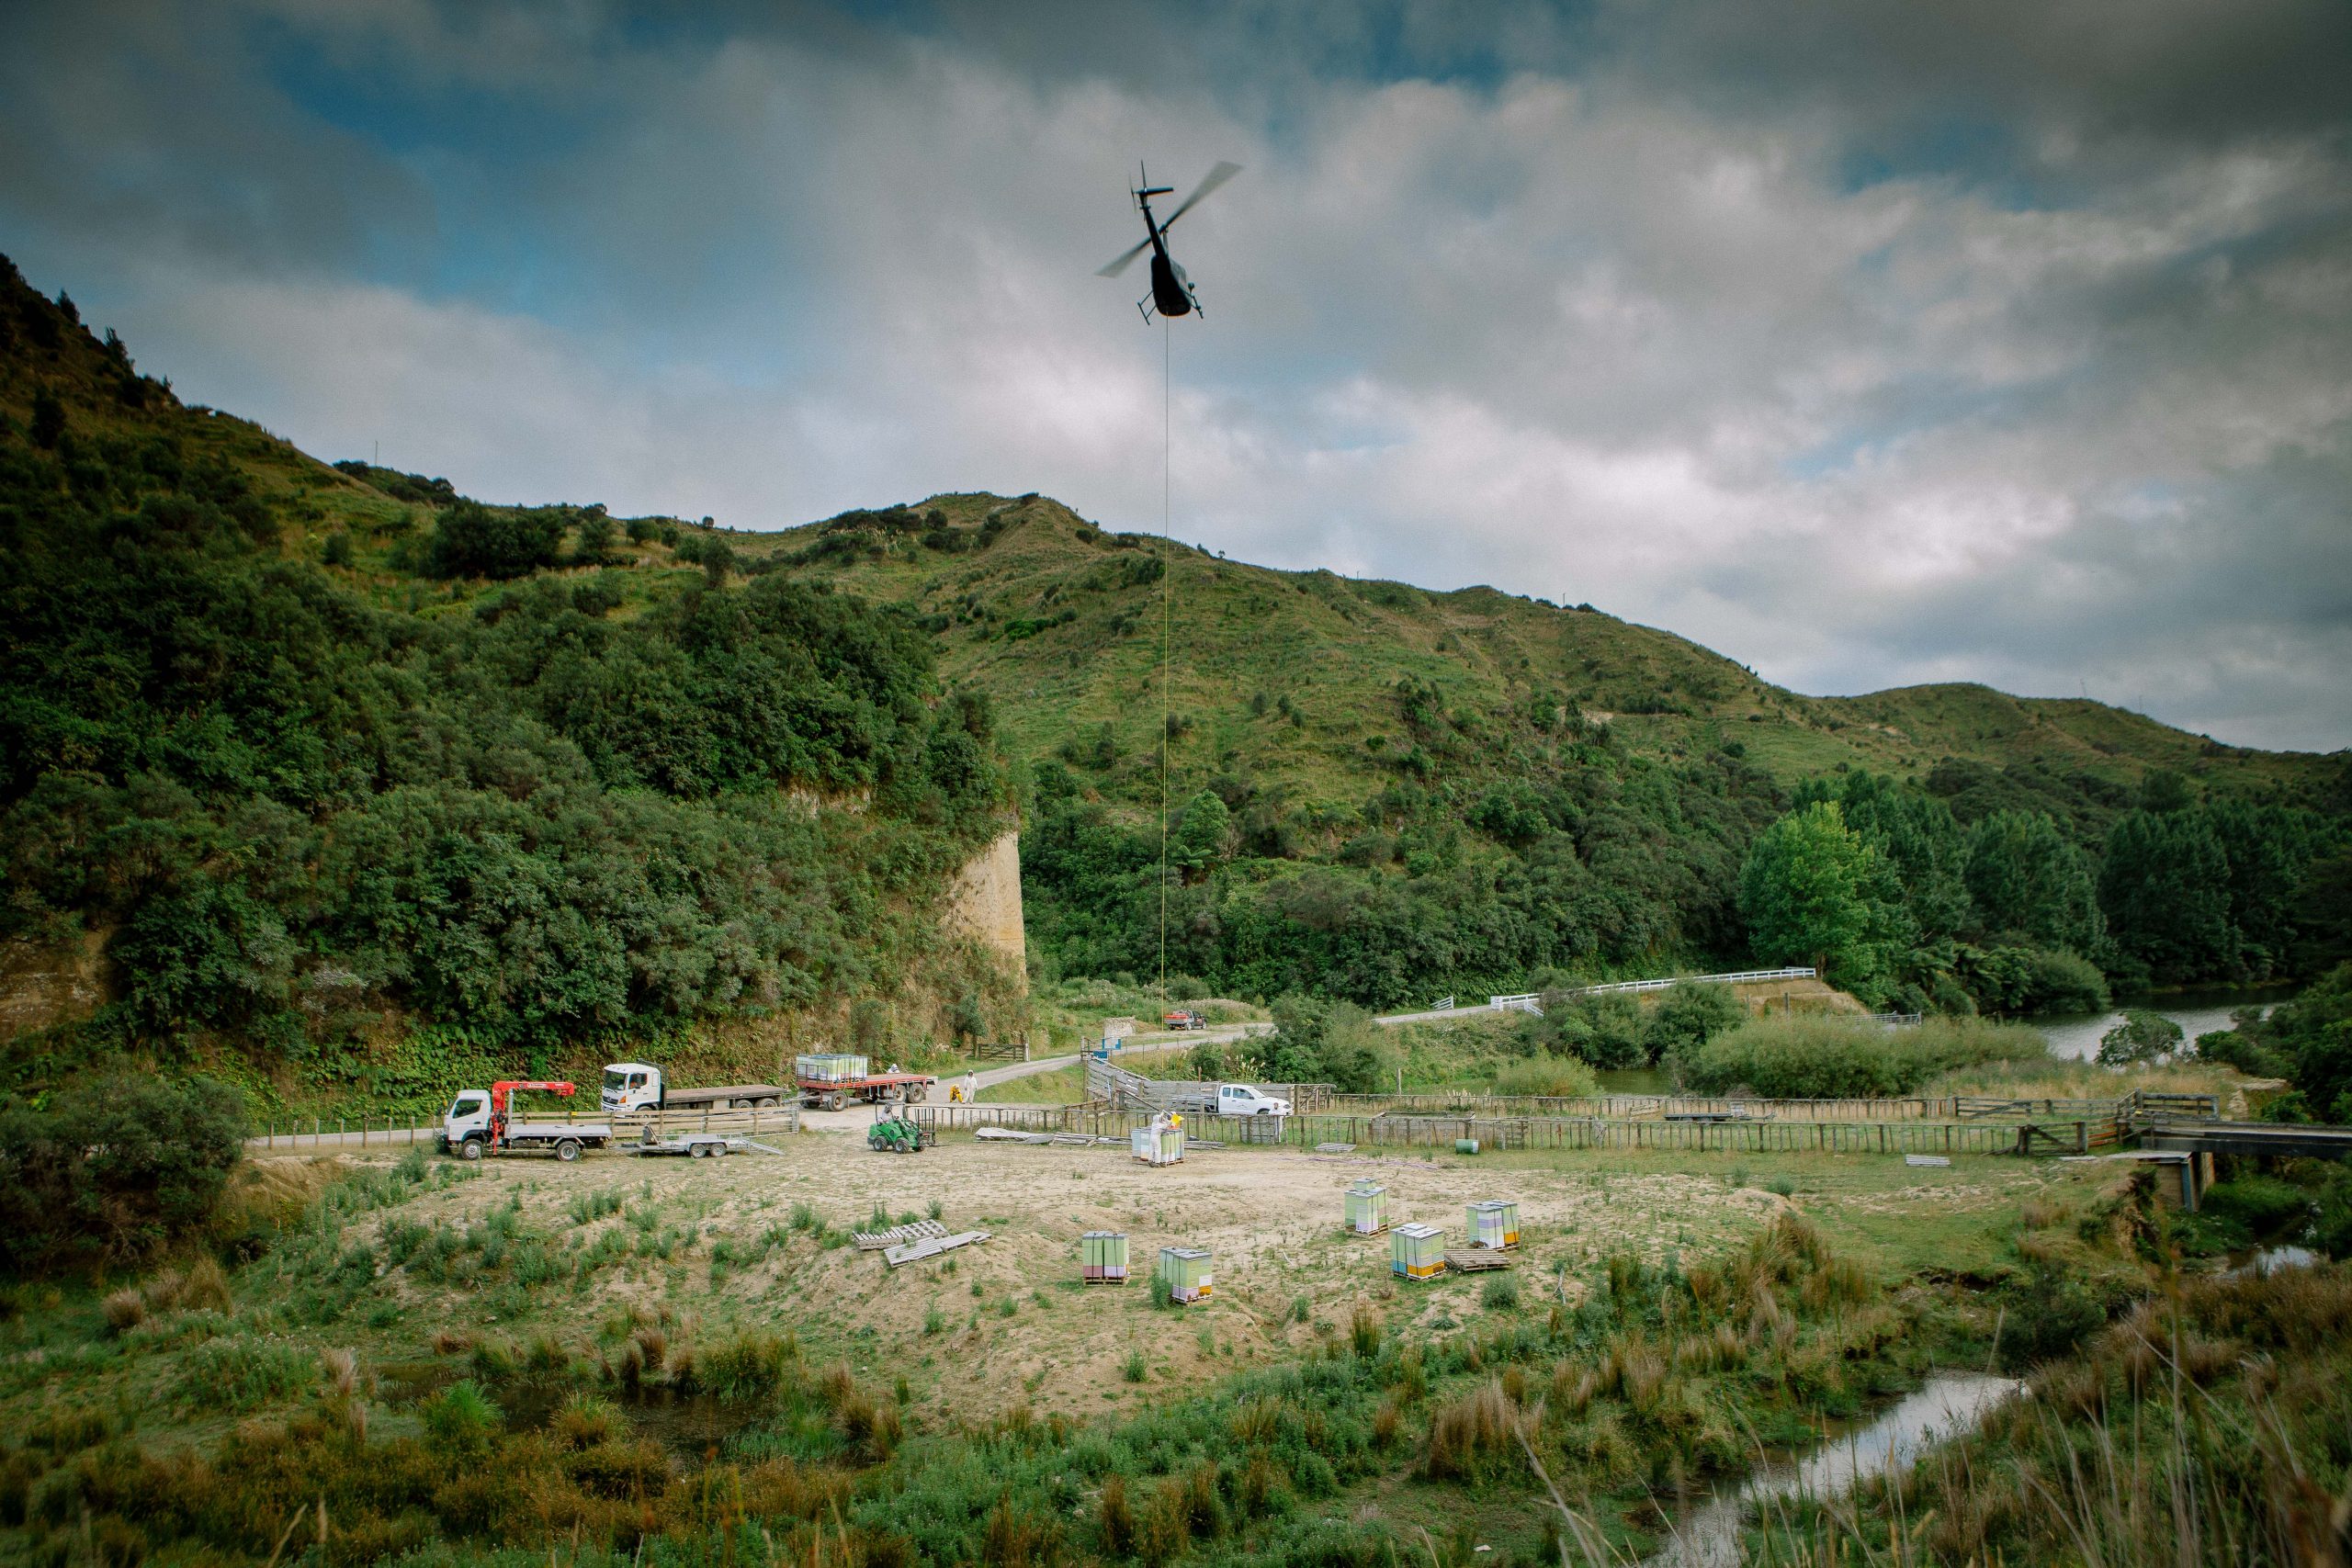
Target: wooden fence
1831,1137
1651,1107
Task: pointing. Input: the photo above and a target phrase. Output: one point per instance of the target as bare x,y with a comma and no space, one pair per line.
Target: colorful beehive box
1184,1273
1105,1255
1367,1208
829,1066
1416,1251
1495,1223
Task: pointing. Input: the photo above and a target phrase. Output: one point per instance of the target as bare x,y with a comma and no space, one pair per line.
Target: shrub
2263,1204
111,1173
461,1419
473,540
1687,1016
1830,1057
1558,1076
2143,1037
747,1367
1501,1294
1474,1435
241,1372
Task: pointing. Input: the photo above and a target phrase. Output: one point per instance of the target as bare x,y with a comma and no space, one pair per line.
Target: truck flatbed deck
831,1094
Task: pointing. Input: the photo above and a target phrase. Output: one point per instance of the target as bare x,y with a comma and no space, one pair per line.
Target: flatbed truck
481,1121
639,1086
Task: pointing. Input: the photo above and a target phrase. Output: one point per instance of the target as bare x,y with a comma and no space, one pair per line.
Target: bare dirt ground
1007,1320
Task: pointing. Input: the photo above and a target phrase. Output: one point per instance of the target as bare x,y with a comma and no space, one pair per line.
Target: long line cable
1166,535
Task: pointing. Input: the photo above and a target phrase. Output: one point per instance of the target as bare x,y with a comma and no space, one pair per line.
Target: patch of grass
1832,1055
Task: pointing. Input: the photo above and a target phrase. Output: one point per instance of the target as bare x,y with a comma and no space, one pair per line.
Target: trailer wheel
700,1151
834,1100
567,1150
470,1149
917,1093
718,1151
767,1102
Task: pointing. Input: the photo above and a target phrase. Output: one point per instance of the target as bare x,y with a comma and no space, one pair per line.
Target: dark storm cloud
1866,344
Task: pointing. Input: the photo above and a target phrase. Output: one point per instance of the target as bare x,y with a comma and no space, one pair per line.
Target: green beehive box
1416,1251
1495,1223
1105,1255
1184,1273
1367,1208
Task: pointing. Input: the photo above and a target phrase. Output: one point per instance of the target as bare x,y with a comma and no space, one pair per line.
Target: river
1707,1532
2078,1035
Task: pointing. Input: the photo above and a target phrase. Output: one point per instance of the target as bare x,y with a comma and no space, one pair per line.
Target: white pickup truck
1232,1100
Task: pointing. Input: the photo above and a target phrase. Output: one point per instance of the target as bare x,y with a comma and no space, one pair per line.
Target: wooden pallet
898,1235
931,1246
1477,1260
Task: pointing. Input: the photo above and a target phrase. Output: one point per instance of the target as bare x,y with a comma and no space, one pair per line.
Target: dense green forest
292,810
1618,863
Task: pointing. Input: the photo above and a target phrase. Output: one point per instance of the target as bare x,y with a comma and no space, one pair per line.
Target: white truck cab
630,1086
1243,1099
468,1119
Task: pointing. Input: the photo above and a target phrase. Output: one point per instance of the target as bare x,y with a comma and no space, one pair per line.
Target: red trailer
831,1094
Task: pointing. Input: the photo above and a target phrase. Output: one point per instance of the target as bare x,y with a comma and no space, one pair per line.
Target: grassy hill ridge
1058,620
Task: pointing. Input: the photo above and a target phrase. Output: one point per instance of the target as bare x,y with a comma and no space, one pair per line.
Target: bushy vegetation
1827,1056
293,810
113,1173
1616,861
1655,1374
1883,888
1555,1078
2307,1042
2206,1427
1612,1029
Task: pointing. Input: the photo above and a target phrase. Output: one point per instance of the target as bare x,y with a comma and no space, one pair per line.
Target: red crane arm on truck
501,1090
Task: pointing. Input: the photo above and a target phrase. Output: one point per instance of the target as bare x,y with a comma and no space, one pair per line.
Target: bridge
2279,1139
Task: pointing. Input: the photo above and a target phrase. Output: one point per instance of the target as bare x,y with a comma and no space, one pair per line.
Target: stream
1707,1531
2078,1035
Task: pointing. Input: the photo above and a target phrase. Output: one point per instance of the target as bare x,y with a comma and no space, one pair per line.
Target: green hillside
1427,792
1059,620
334,765
328,776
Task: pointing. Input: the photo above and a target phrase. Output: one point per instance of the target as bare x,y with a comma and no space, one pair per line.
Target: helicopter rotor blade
1121,265
1215,178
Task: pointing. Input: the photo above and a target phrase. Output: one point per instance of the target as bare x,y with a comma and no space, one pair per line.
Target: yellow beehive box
1416,1251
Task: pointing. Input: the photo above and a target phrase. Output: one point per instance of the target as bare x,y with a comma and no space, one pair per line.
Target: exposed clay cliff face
985,902
41,988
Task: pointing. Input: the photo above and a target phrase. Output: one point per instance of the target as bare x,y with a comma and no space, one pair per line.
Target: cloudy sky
1869,344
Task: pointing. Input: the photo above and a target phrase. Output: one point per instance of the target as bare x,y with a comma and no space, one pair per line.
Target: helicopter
1171,291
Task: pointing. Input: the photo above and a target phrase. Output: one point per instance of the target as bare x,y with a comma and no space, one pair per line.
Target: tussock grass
1828,1057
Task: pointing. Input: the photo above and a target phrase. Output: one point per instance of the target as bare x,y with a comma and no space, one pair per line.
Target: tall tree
2165,890
1802,890
2027,876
